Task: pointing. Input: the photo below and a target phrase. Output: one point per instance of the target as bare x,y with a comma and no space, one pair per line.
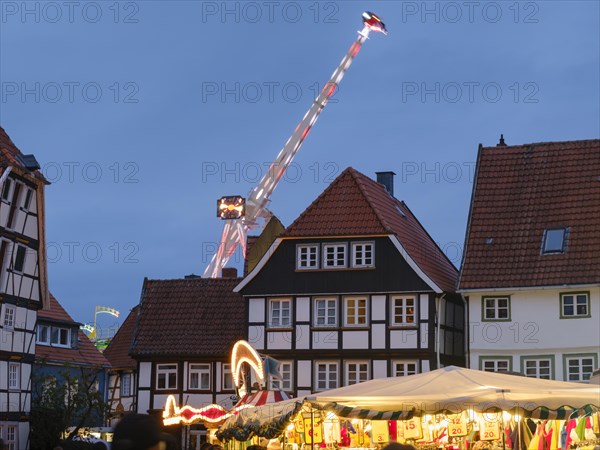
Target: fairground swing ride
240,214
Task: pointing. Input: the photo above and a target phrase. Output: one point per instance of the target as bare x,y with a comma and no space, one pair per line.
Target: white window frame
285,368
326,317
201,370
277,305
405,367
16,255
357,372
328,368
338,247
14,376
493,364
495,308
575,296
126,385
535,371
581,374
164,371
362,261
10,315
10,433
226,377
307,256
352,310
38,334
405,315
59,334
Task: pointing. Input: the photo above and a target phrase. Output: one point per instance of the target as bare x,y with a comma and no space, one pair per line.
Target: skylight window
554,240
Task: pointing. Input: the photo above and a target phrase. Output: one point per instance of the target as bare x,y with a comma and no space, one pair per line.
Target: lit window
404,368
327,375
554,240
580,368
538,368
496,308
575,304
20,258
125,385
43,335
10,312
357,372
307,257
334,256
355,311
14,375
403,310
496,365
166,376
285,369
279,313
325,312
227,378
199,376
363,254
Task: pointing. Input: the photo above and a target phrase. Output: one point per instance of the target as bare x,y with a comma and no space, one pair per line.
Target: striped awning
261,398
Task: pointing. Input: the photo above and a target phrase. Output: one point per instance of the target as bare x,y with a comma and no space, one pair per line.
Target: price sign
456,426
412,428
311,435
489,430
380,432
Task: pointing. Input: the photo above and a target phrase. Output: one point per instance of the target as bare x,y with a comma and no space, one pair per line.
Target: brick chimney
387,179
229,272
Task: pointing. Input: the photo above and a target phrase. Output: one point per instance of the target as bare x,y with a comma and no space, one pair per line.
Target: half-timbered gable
183,337
354,289
531,266
23,283
123,373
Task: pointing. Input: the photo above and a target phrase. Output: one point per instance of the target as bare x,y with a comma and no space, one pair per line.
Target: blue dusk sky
143,113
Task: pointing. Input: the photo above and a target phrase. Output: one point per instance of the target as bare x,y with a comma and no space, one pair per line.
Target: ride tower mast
242,216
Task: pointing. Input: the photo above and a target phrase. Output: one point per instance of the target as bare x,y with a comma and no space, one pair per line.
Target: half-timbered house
123,372
23,284
184,334
355,288
531,266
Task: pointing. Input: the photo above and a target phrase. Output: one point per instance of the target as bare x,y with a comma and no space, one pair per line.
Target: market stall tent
455,389
447,390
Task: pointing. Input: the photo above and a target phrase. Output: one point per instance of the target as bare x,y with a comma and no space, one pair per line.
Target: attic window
554,240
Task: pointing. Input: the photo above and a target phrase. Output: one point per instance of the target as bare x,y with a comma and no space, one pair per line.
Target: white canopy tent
447,390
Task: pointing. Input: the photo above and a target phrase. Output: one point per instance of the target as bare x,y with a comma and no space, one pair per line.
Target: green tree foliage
69,399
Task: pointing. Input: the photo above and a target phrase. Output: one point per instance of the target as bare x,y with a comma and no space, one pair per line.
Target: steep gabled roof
199,317
10,155
354,205
85,353
519,192
117,351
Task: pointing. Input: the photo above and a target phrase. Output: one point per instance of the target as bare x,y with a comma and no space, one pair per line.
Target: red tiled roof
354,205
519,192
85,353
117,351
189,317
9,155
